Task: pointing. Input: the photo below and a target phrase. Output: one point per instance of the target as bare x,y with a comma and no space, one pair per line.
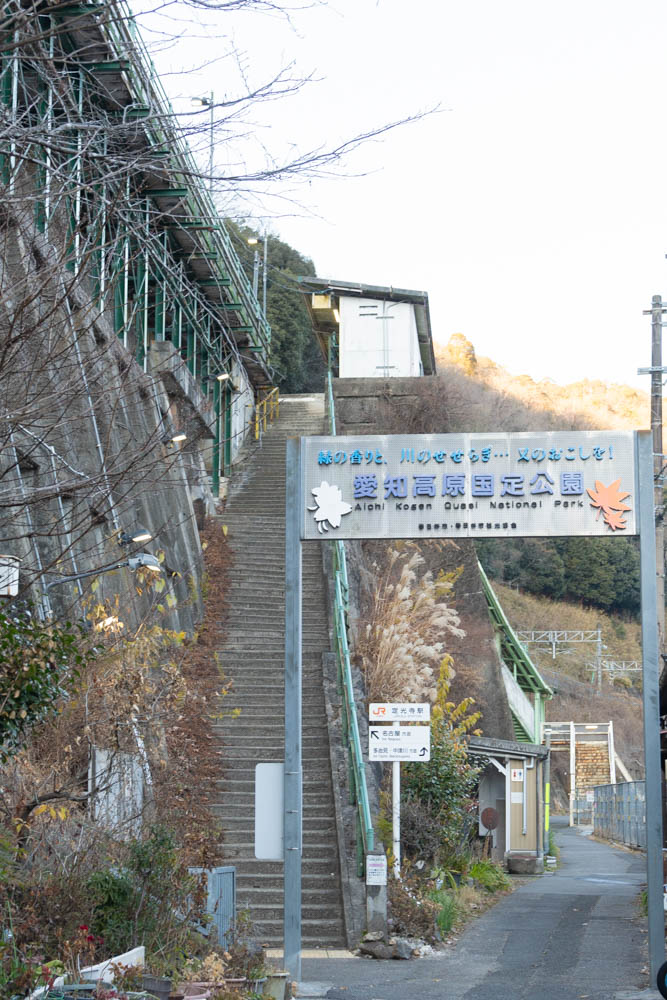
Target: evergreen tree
295,354
541,569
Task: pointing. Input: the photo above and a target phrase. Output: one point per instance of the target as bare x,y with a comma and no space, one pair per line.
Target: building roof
325,318
480,746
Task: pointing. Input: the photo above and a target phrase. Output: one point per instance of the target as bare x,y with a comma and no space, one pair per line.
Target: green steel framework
518,662
144,237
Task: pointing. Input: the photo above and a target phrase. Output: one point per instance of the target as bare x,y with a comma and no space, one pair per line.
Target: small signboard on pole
376,869
399,743
402,711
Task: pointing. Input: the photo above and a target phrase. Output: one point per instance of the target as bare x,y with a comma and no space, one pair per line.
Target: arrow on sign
422,752
374,734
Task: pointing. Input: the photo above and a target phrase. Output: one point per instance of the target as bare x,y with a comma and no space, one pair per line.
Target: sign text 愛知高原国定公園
470,485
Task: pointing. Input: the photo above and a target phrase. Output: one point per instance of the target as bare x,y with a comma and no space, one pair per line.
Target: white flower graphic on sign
329,506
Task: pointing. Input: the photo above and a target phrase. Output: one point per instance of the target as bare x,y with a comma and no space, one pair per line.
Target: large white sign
470,485
405,711
399,743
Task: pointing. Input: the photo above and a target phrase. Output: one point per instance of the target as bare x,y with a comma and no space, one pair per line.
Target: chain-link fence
619,813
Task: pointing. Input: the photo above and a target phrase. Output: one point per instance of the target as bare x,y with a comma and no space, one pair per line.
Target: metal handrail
357,771
267,409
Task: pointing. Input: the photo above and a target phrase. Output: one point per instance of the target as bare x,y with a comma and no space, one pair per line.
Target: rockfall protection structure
92,154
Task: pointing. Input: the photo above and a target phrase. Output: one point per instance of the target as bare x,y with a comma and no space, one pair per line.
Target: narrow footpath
571,935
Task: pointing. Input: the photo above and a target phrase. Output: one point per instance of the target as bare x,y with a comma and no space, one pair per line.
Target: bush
489,875
421,831
151,900
411,913
38,662
444,786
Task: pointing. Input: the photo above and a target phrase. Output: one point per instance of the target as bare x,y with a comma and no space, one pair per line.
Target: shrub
489,875
445,784
38,662
150,899
411,913
421,831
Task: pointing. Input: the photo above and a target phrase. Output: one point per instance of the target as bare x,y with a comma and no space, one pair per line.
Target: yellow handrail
266,408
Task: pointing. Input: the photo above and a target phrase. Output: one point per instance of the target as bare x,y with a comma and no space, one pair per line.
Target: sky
532,206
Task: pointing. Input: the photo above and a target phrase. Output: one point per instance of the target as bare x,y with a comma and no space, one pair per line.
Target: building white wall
377,339
242,408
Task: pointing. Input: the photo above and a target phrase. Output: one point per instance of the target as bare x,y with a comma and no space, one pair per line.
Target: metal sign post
293,800
651,698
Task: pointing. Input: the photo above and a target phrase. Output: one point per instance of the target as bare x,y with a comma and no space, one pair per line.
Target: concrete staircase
253,658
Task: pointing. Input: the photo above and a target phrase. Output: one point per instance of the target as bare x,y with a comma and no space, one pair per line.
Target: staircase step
252,660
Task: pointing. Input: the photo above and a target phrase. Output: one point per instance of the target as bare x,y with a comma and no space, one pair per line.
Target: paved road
565,936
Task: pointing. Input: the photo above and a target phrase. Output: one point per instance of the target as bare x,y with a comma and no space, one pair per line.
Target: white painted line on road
610,881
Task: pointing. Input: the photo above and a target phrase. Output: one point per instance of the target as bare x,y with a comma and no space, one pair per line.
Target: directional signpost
396,743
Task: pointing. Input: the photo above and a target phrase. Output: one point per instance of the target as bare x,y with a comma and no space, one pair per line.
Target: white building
369,331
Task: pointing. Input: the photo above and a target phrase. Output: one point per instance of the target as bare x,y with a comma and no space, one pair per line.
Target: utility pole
657,373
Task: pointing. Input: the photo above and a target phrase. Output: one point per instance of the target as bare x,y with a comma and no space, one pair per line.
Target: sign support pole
293,803
396,814
651,698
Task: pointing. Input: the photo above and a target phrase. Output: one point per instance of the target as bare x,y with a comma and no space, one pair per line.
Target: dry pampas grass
408,621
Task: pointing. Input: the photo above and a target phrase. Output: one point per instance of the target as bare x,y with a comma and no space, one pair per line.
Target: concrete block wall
87,424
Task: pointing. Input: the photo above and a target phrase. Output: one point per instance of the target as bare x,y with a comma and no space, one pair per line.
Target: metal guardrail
619,813
266,409
356,769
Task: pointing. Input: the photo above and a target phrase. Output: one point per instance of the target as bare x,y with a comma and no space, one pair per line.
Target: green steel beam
108,66
198,255
77,9
512,651
225,282
198,226
166,192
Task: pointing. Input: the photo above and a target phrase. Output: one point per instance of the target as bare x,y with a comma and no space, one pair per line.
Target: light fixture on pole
143,560
254,241
208,102
140,534
170,439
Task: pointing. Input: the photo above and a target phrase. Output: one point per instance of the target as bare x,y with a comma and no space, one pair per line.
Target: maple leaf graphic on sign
329,506
609,502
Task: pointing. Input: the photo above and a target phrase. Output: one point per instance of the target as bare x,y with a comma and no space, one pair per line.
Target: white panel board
269,815
399,743
470,485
